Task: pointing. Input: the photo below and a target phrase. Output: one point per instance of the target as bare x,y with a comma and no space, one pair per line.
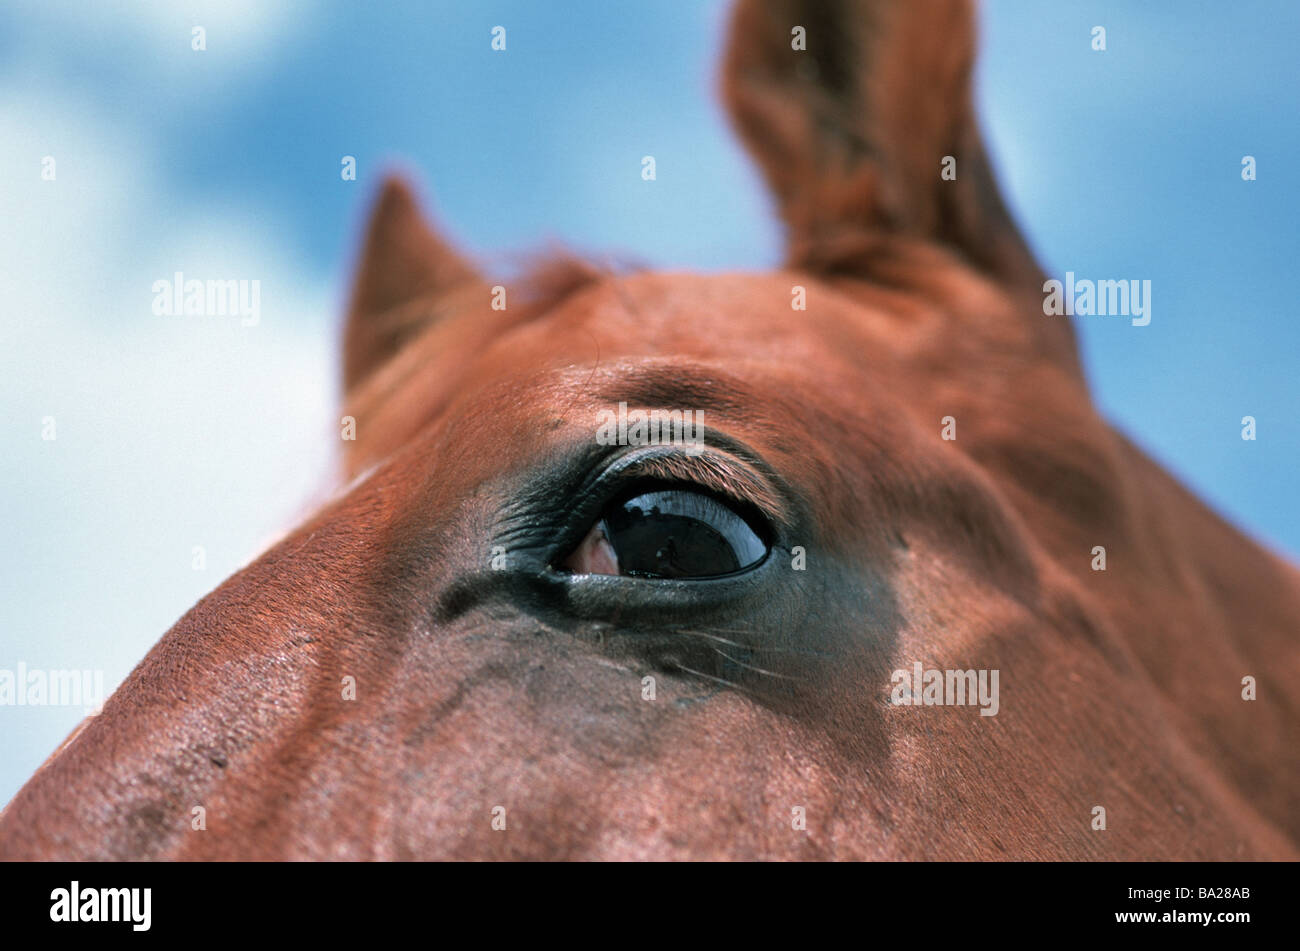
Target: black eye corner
658,530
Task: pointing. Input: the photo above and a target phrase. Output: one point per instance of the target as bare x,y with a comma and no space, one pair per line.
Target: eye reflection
672,533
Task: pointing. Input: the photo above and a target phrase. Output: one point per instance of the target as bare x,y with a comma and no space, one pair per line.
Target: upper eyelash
729,482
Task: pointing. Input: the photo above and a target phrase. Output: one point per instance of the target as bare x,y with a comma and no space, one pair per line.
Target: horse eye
674,533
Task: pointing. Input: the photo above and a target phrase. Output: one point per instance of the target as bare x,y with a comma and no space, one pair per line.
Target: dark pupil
653,537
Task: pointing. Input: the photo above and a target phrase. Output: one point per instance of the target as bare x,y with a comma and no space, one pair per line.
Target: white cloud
172,432
138,33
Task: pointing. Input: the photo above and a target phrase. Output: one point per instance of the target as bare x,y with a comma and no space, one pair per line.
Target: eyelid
728,479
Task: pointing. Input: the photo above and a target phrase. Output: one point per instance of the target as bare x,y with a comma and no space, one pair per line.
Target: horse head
639,564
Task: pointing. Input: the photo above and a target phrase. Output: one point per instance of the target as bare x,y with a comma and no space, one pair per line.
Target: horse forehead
723,305
756,318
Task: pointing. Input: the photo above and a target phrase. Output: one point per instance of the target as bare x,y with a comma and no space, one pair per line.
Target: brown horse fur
523,688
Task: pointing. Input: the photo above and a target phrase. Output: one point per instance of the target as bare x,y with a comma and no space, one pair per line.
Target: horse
641,565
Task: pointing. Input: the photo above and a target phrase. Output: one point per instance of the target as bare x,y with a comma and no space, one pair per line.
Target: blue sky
225,162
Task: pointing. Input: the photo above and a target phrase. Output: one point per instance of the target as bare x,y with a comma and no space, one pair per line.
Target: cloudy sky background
198,431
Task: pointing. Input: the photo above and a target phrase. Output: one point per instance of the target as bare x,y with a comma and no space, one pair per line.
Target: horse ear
860,112
403,260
